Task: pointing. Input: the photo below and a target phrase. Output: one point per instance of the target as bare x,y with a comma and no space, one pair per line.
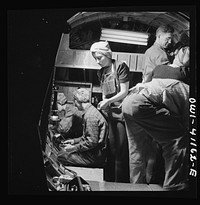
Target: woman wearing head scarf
114,81
161,109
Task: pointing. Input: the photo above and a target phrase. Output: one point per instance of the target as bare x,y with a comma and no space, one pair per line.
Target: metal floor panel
113,186
94,176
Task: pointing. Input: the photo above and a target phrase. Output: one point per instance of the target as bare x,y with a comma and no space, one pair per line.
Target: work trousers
117,165
142,118
90,158
145,155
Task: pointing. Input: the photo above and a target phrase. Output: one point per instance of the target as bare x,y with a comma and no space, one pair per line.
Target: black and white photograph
102,101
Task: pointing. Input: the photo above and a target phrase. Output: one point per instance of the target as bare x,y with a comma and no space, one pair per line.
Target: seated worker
161,109
70,125
89,149
70,119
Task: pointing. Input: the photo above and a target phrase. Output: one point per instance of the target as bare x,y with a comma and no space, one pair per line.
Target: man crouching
89,149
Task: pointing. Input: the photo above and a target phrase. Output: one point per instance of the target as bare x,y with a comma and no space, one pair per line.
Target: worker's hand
69,148
70,141
103,104
101,140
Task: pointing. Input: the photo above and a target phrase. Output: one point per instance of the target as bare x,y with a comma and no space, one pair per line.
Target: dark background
33,37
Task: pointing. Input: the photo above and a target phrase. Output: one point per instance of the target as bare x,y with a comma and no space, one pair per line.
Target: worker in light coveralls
161,109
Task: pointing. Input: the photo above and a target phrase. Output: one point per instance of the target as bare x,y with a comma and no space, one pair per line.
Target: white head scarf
102,47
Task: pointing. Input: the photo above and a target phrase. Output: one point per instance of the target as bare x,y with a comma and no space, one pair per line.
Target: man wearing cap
89,149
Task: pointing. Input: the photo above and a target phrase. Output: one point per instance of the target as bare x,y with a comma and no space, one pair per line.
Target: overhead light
122,36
